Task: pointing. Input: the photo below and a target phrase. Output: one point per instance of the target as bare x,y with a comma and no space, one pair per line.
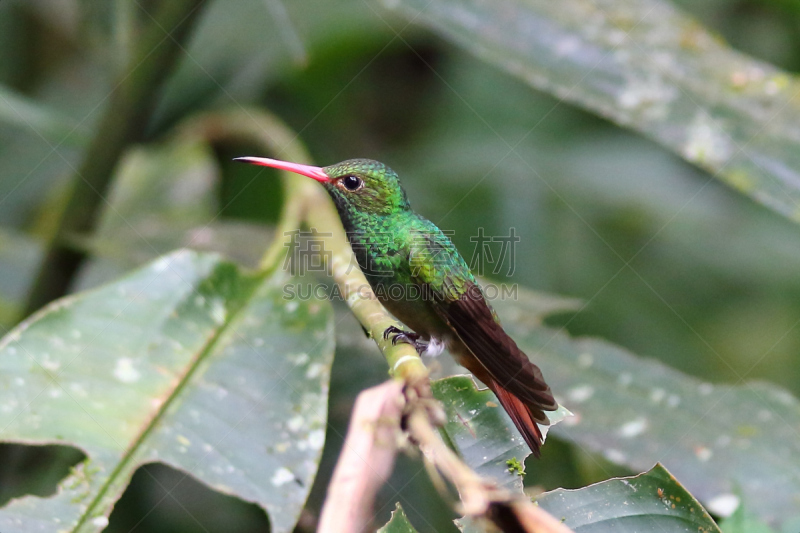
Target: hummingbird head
366,186
361,186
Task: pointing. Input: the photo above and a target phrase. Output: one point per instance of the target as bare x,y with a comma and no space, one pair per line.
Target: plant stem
479,497
124,121
307,201
371,440
403,360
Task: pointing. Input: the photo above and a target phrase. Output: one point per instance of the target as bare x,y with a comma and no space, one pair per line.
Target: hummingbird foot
409,337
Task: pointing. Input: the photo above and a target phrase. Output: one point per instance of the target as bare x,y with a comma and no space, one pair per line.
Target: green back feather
393,243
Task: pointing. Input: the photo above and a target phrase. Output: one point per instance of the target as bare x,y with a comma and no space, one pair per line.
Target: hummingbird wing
489,353
460,303
473,321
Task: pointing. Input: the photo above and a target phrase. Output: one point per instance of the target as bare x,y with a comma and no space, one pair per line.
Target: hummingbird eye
352,183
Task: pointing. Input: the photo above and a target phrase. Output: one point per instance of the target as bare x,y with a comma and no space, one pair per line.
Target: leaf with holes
648,67
188,361
653,501
399,522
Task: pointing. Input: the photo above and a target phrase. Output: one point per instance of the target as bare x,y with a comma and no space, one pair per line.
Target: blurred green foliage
671,264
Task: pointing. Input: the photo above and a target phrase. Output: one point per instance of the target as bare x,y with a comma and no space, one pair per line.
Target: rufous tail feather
521,416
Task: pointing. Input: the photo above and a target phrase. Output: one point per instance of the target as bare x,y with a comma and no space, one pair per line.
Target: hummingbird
418,275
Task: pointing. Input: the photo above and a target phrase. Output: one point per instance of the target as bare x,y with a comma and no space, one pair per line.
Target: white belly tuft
435,347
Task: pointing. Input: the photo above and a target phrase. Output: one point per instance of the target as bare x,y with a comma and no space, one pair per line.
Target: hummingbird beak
306,170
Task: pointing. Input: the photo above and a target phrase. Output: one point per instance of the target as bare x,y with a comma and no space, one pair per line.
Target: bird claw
392,330
405,336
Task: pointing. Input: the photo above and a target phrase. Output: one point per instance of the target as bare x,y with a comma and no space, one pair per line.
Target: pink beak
306,170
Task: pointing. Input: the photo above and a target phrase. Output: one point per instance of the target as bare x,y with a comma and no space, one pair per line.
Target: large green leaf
653,501
724,442
720,440
649,67
487,441
187,361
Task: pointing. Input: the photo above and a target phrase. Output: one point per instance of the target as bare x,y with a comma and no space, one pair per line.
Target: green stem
307,201
123,123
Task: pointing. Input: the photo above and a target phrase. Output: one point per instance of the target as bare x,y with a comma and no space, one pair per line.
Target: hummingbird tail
522,417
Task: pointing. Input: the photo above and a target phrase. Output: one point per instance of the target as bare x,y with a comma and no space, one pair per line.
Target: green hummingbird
419,276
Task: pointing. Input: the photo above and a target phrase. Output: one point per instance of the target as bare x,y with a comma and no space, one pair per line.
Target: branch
371,443
123,123
368,456
480,498
306,200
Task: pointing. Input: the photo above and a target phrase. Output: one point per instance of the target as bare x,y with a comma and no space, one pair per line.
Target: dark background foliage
673,264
